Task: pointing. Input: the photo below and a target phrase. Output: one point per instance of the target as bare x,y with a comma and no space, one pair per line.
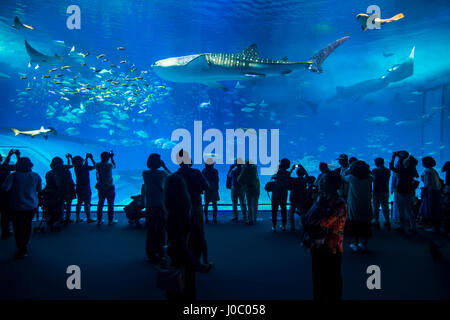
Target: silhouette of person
359,203
280,193
59,182
249,182
405,189
298,197
5,214
212,193
83,185
342,170
430,208
323,169
105,186
237,194
178,206
381,176
154,180
24,186
327,218
196,185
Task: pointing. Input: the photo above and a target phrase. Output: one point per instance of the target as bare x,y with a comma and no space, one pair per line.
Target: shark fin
255,75
317,59
250,51
216,85
16,132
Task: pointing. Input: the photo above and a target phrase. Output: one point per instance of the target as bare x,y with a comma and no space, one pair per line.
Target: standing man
381,176
342,170
5,214
105,186
236,191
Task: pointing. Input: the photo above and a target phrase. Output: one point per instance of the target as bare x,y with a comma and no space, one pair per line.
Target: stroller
134,210
51,213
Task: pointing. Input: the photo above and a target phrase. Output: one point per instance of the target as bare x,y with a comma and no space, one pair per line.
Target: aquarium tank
303,80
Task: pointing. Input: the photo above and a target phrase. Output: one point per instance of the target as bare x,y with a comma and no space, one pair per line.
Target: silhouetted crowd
347,199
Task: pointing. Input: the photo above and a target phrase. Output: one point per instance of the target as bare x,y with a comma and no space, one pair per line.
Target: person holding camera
405,189
5,214
24,186
154,180
298,196
280,193
105,186
83,185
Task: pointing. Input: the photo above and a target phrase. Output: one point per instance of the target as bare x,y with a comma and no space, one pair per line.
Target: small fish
120,48
59,75
52,92
138,78
113,66
28,89
65,98
101,56
204,105
65,67
104,60
84,54
37,67
53,70
83,64
23,77
45,76
123,61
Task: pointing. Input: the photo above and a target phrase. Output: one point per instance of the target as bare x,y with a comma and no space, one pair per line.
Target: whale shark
33,133
209,68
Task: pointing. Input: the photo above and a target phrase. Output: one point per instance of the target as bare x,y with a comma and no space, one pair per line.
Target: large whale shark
209,68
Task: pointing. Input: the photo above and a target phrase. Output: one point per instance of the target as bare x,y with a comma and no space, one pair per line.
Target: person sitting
24,185
5,214
154,180
249,182
359,204
237,194
177,204
105,186
83,185
381,176
298,197
430,208
212,192
280,193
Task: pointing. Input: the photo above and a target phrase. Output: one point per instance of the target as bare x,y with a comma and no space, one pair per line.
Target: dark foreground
249,263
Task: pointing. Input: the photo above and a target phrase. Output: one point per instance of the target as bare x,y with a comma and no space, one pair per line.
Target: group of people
347,198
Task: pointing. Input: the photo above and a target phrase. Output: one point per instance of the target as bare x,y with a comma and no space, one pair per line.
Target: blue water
154,30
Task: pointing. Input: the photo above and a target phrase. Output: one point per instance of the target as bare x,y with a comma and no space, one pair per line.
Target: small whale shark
209,68
33,133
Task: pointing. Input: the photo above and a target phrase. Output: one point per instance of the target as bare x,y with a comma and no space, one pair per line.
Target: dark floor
250,263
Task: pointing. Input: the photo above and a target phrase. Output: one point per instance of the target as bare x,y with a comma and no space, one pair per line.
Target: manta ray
209,68
33,133
37,57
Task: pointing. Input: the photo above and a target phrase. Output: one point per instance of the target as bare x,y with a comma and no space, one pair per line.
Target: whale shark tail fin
16,132
315,62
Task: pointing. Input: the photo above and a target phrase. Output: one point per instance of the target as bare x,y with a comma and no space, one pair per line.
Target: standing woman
59,182
430,208
24,186
155,219
177,204
359,202
212,192
324,235
280,193
249,181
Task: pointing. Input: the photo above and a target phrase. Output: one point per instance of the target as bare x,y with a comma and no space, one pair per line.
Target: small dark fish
52,70
46,76
115,82
85,54
97,70
113,66
123,61
120,48
101,56
23,77
57,82
59,75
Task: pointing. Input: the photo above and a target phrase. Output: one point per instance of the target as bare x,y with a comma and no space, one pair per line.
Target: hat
342,157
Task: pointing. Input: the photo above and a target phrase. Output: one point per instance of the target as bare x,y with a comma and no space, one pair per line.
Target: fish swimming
20,26
209,68
37,57
363,18
33,133
401,71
